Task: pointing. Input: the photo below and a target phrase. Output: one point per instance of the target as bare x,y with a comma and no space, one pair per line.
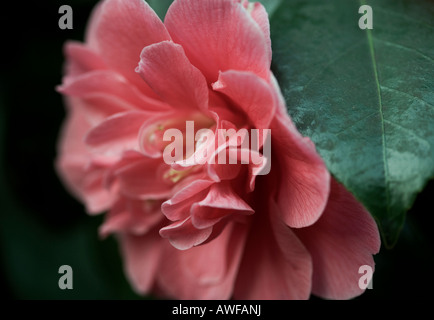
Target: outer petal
207,271
341,241
74,165
275,265
142,256
100,83
119,30
304,178
260,15
219,35
81,59
251,94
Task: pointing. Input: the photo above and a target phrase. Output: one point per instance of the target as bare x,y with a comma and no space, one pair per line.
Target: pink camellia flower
209,230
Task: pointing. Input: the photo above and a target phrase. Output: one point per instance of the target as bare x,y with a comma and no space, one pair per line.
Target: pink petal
109,84
207,271
81,59
275,264
166,69
260,15
119,30
304,178
342,240
251,94
183,235
219,36
85,184
142,257
132,216
143,179
117,133
75,168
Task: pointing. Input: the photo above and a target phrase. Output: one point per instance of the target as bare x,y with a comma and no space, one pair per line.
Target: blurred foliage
42,227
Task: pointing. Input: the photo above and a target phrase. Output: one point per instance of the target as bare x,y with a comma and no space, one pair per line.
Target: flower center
176,175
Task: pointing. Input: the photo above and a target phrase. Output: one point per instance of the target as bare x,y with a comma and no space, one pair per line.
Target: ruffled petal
166,69
118,32
251,94
219,36
184,235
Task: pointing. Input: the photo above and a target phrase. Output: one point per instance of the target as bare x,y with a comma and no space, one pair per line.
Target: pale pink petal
142,257
166,69
117,133
112,85
118,32
219,36
85,184
178,207
183,235
304,178
251,94
207,271
75,168
340,242
275,264
80,59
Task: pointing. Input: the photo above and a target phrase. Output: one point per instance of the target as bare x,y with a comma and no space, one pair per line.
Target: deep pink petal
304,178
207,271
166,69
219,36
118,32
275,265
251,94
342,240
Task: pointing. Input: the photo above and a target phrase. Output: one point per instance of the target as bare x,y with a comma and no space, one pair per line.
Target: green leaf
365,97
160,7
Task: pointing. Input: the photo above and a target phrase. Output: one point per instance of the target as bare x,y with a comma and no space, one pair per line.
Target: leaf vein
386,88
393,44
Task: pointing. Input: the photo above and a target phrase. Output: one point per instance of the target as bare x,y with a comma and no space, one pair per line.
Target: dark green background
42,227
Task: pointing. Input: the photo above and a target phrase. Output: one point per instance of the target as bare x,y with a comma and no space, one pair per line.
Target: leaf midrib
380,103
